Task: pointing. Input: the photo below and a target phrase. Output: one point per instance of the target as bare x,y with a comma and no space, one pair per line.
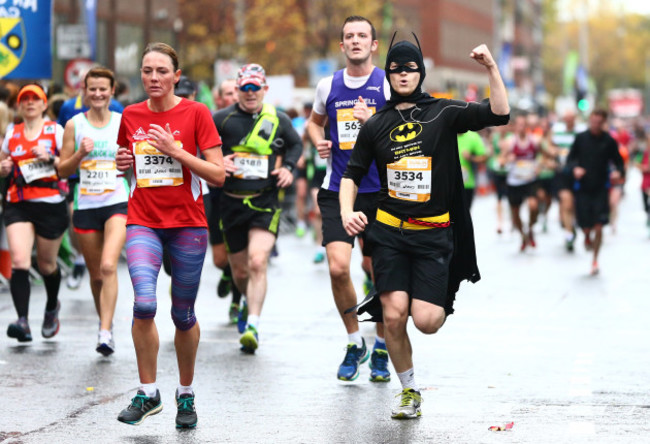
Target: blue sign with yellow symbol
26,39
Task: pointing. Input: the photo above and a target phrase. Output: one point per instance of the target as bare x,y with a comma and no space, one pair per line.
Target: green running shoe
249,340
408,406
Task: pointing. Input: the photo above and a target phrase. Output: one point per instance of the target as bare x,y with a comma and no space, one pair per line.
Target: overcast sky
639,6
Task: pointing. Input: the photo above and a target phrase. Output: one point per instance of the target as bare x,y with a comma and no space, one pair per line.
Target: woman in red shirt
160,139
35,210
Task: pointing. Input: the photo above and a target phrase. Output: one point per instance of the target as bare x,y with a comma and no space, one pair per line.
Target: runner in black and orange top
160,138
100,198
36,211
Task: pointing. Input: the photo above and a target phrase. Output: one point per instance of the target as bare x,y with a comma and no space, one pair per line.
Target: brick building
123,29
448,31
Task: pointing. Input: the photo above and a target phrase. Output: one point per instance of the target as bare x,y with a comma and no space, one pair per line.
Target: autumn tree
284,36
616,45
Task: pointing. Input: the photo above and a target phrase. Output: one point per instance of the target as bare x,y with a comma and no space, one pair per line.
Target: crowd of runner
164,177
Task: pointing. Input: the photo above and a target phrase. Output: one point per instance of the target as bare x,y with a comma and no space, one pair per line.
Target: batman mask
402,53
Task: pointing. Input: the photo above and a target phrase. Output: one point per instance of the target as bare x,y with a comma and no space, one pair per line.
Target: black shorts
239,215
72,184
499,181
592,208
212,203
316,180
330,210
564,180
94,219
517,194
50,220
414,261
547,185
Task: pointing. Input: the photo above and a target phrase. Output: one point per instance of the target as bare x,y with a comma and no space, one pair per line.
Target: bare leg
146,342
186,344
338,257
396,309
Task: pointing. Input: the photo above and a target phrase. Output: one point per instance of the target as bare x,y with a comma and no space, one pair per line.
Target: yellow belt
389,219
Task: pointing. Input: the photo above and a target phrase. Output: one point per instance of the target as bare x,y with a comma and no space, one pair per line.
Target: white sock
380,340
79,259
185,390
407,379
253,320
356,338
104,335
149,389
569,236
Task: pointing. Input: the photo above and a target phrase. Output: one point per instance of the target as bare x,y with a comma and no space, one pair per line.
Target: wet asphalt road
537,341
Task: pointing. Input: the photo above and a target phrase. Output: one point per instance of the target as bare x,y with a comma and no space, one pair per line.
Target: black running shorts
330,209
517,194
592,208
50,220
239,215
414,261
95,218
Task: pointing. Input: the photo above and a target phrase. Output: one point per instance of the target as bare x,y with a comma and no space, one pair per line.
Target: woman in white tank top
100,198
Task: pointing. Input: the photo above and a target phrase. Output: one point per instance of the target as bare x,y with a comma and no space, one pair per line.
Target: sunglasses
250,87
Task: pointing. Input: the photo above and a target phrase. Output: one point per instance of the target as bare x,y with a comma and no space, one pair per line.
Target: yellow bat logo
405,132
12,44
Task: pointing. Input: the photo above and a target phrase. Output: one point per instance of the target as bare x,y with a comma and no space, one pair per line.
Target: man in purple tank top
346,100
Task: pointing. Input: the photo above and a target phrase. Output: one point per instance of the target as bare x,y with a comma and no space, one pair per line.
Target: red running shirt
28,168
165,194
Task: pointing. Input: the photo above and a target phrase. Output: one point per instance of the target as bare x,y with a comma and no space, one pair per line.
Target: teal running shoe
140,408
379,366
186,413
354,356
249,340
319,257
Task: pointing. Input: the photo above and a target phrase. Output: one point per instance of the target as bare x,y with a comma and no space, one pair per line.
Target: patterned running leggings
144,252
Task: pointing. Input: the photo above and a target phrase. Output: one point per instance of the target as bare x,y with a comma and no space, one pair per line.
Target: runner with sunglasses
255,135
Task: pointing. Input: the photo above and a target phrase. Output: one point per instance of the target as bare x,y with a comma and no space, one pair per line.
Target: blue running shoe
242,319
354,356
379,366
249,340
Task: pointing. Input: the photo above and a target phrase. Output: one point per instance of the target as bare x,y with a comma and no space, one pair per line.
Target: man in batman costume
423,240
